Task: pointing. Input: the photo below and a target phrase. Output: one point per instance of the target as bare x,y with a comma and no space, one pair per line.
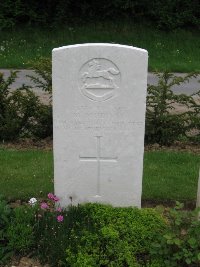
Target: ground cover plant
87,235
100,235
177,50
179,244
30,173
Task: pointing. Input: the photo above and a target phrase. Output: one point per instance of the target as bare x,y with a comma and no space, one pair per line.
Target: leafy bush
194,116
21,112
179,245
162,125
5,214
43,70
173,14
44,122
105,236
99,235
96,235
43,80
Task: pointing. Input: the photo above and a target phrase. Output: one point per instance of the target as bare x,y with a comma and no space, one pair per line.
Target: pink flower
59,209
50,196
56,199
60,218
53,197
44,205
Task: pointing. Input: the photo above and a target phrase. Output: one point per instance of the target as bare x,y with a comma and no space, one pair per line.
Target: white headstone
99,101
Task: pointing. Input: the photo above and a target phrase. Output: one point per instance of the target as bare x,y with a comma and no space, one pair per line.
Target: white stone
99,102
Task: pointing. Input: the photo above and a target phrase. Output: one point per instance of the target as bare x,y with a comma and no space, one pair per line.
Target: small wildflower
60,218
53,197
44,205
59,209
32,201
56,199
50,196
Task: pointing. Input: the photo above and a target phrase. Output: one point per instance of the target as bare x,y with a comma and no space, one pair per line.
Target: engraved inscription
98,158
99,79
108,119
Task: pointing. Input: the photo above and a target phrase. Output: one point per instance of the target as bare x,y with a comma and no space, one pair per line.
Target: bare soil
25,262
47,144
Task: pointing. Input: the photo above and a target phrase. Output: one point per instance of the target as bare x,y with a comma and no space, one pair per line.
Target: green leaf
177,241
198,256
188,261
192,241
168,237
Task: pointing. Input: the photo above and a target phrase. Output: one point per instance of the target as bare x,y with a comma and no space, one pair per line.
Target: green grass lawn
167,175
173,51
25,174
170,175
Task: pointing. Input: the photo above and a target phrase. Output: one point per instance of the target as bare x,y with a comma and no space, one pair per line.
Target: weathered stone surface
99,100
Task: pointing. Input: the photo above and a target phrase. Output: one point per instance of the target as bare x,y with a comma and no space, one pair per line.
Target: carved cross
98,158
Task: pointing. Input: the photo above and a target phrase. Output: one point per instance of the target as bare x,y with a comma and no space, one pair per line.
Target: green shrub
5,214
194,116
170,14
43,80
20,230
97,235
43,126
43,77
162,125
17,109
100,235
179,244
107,236
21,112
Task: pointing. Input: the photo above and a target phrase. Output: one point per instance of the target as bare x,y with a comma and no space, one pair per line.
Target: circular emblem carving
99,79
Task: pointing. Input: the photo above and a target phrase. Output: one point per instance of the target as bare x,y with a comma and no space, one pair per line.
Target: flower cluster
53,197
49,205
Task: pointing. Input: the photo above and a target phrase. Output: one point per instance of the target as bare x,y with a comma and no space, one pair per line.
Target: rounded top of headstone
100,45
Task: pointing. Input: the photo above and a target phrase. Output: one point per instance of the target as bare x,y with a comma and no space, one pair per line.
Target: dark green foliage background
166,14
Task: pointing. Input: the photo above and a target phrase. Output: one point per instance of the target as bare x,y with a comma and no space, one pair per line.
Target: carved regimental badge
99,79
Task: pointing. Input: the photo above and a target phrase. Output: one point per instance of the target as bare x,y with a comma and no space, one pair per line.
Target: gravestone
99,101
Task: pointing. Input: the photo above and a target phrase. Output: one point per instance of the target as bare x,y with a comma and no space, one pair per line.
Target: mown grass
170,175
25,174
167,175
173,51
